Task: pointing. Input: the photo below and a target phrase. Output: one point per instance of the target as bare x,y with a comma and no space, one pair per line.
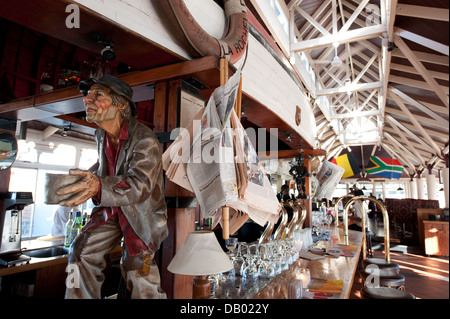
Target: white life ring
232,46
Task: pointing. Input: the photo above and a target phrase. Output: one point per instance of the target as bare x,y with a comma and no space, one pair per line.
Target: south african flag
385,167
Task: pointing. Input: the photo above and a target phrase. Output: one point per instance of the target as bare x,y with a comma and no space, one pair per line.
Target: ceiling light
64,132
400,188
243,115
288,138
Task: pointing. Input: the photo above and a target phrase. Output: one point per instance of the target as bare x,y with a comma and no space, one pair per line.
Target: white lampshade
200,255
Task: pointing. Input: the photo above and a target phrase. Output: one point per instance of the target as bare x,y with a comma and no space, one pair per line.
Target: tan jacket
139,165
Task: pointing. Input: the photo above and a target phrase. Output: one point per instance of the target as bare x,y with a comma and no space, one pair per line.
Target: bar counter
330,268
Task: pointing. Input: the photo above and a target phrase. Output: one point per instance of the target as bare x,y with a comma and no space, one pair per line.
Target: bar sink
47,252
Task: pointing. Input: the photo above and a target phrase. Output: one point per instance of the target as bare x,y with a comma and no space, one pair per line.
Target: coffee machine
11,207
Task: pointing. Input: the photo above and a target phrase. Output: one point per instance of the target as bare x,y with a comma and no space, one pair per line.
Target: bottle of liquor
84,221
69,224
76,226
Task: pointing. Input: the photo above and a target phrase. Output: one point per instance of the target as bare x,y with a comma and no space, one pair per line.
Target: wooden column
307,203
181,204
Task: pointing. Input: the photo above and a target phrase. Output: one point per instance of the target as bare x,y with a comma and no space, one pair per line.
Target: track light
288,138
108,53
391,46
66,130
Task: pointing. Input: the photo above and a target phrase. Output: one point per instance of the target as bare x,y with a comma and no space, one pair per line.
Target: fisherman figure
127,188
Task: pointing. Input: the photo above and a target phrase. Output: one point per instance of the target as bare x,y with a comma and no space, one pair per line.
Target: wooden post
181,204
225,209
224,75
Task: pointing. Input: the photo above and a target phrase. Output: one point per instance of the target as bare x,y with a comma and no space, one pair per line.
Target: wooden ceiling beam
419,106
413,119
406,141
426,42
438,14
348,36
411,134
421,69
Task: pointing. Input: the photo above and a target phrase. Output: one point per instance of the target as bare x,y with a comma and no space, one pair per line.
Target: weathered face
98,104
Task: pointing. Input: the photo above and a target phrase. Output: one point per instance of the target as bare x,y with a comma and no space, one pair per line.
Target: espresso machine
11,207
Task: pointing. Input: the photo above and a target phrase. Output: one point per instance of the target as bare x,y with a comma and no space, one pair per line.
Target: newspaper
256,196
328,177
211,169
214,158
176,157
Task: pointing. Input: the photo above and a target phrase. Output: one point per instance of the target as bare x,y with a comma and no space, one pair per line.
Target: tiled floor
426,277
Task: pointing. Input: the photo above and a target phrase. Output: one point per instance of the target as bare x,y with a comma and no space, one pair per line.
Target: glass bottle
69,224
76,226
84,221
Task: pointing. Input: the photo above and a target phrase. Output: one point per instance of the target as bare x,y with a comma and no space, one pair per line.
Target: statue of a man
126,185
300,172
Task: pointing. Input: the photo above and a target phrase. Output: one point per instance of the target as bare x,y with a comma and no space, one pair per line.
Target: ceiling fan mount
336,62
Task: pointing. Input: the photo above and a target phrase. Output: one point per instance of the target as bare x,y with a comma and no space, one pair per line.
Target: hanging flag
348,162
385,167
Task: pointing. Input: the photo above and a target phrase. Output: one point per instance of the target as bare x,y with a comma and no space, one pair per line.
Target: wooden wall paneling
181,206
159,116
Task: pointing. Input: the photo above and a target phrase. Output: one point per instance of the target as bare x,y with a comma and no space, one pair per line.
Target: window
24,180
36,158
61,154
340,190
88,158
393,191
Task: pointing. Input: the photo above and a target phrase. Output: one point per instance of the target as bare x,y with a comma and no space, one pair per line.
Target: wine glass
231,243
291,251
265,268
329,219
249,268
238,259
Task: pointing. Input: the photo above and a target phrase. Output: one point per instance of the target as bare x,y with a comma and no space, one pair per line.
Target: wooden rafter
422,70
413,119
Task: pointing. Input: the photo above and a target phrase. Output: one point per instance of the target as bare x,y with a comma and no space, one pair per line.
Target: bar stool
385,278
385,293
390,266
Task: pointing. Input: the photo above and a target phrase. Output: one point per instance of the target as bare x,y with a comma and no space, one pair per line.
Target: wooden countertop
38,263
341,268
435,221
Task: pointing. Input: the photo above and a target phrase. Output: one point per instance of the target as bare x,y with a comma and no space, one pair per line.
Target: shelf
69,100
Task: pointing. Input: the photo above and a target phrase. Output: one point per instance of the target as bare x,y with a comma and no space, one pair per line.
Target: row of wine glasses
321,218
268,260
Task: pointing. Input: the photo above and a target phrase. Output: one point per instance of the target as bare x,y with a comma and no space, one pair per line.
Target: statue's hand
83,190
